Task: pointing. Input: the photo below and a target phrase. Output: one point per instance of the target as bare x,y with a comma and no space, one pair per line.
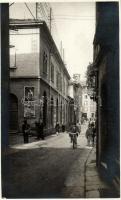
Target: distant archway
13,113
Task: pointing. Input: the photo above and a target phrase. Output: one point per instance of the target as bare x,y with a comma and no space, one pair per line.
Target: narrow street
60,72
47,169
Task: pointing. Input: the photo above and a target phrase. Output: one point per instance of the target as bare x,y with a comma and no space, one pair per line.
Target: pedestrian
79,127
42,130
37,126
26,131
57,128
63,128
73,131
94,133
89,134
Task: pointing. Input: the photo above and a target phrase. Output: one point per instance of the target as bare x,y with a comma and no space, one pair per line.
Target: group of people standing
39,126
26,130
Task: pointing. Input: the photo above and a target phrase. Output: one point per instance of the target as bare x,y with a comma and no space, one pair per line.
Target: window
12,56
52,72
86,103
52,111
57,80
45,59
63,86
85,96
92,115
86,109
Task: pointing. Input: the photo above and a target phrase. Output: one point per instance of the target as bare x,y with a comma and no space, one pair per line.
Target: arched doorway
61,113
52,111
44,108
13,113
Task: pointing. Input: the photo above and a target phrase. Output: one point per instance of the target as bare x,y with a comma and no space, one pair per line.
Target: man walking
89,134
57,128
26,130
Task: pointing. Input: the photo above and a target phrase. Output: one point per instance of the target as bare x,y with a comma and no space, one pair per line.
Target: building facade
88,105
75,92
38,77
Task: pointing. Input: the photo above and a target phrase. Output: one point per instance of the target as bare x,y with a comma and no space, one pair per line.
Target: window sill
12,67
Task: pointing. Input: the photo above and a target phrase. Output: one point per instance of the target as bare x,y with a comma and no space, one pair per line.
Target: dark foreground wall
107,63
4,23
4,20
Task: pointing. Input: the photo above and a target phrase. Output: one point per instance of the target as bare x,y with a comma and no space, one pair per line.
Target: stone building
75,92
38,77
106,63
88,105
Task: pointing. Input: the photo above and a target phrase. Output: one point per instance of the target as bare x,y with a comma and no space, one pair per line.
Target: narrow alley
60,100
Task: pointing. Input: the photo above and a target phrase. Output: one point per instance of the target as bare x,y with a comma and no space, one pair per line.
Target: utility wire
11,4
44,12
30,11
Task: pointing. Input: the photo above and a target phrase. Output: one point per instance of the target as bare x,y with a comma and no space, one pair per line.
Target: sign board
29,93
29,104
29,110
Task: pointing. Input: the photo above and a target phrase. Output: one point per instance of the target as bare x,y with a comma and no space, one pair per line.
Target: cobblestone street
50,168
